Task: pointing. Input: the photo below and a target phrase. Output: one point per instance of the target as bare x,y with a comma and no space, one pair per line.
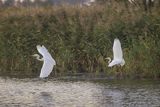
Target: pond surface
79,93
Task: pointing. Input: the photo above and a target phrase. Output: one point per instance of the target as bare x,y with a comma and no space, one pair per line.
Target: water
86,93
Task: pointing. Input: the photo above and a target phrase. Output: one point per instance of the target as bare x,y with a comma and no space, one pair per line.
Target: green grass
80,39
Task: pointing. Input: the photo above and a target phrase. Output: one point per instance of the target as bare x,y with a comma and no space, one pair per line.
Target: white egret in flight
117,54
131,1
88,2
48,61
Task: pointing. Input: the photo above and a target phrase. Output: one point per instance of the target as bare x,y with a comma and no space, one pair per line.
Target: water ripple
38,93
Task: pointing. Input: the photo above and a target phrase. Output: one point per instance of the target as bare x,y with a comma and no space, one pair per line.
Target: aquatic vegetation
80,38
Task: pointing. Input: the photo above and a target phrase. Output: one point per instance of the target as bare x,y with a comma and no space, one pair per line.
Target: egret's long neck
38,58
109,59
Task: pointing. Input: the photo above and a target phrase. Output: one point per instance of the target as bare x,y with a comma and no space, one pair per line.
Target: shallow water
69,93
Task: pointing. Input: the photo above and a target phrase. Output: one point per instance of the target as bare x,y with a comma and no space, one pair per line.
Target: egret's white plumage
131,1
117,54
49,62
88,2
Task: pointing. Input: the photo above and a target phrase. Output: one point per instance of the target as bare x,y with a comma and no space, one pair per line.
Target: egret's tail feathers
123,62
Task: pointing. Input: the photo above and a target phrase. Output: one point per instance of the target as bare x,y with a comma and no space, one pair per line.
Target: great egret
131,1
89,2
117,54
49,62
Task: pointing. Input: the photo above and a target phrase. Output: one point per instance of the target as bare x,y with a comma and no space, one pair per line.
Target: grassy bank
80,39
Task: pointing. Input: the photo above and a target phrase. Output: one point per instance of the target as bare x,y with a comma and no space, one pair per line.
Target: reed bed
80,38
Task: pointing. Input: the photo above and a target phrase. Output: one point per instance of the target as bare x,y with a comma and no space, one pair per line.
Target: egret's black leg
119,72
43,79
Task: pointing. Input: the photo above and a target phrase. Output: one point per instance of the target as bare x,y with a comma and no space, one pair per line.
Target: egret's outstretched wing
117,50
46,68
44,52
49,62
40,50
48,55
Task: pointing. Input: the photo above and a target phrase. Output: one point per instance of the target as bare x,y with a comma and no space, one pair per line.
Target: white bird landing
117,54
48,63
